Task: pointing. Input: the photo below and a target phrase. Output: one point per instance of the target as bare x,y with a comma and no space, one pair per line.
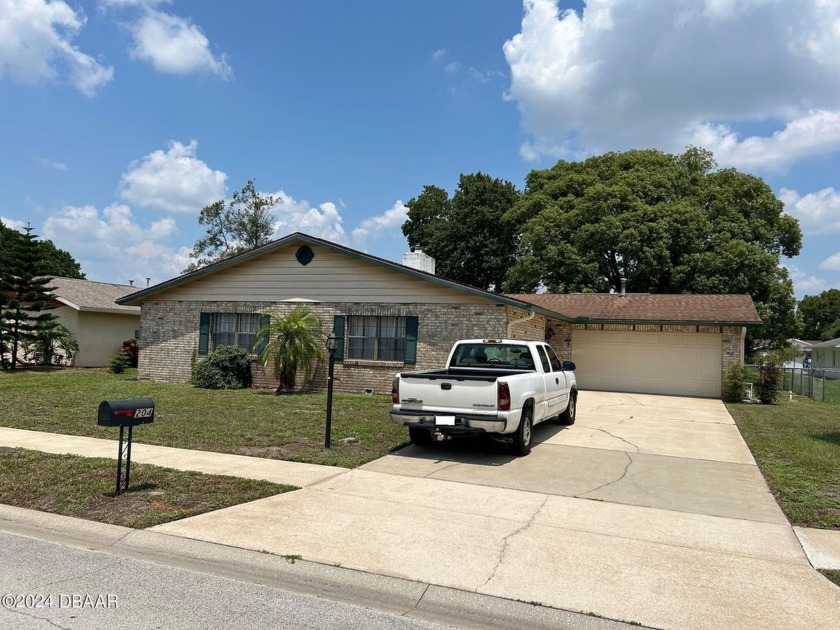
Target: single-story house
825,356
89,311
390,318
802,359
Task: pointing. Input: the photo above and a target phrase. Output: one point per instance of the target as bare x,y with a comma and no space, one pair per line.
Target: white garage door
681,364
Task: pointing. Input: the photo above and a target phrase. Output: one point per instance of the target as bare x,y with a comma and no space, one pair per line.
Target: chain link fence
819,384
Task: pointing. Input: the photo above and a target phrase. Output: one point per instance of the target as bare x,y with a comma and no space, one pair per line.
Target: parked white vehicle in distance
500,387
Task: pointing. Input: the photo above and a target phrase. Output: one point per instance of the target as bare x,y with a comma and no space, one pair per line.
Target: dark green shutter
204,334
411,325
338,330
265,320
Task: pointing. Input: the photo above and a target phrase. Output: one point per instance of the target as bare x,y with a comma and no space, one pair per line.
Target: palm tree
291,343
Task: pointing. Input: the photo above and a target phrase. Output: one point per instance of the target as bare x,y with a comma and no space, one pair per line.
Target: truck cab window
556,363
546,363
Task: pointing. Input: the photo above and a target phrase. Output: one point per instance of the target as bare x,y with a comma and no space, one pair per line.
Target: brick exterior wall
559,337
531,330
169,339
733,348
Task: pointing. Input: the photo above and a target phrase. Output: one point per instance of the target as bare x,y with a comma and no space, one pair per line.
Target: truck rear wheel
522,439
568,416
420,437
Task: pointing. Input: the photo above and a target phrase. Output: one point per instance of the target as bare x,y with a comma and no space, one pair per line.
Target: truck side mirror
568,366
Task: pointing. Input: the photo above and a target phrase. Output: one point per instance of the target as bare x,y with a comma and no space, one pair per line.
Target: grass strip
83,487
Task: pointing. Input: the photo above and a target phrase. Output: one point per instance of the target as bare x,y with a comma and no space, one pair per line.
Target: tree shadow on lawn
831,438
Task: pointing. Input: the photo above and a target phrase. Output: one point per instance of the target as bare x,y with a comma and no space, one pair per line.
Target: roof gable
257,259
831,343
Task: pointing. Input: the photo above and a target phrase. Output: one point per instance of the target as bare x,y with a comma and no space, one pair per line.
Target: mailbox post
125,413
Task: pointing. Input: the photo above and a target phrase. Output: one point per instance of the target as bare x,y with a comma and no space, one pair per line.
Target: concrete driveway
650,509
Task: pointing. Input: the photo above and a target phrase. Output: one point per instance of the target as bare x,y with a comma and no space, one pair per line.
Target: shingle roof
831,343
648,308
86,295
597,307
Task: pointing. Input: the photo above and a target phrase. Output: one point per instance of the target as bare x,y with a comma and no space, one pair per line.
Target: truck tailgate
452,394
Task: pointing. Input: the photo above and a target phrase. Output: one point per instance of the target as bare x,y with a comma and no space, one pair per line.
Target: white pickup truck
499,387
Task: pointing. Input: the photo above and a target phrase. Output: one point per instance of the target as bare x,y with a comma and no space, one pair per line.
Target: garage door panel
658,363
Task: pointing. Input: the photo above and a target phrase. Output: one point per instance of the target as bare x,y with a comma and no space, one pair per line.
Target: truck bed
463,374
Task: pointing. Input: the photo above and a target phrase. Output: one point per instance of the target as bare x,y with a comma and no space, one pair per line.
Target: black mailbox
128,412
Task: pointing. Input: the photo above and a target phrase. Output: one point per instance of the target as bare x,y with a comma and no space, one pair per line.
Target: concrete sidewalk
275,470
663,545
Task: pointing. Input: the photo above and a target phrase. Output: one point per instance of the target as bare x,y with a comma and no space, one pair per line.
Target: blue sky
121,119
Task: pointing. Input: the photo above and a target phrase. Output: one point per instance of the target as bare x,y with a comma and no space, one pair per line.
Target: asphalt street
46,585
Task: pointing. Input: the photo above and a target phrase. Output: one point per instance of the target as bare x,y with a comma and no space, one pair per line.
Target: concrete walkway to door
650,509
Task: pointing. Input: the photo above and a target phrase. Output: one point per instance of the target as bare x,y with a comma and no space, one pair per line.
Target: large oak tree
666,223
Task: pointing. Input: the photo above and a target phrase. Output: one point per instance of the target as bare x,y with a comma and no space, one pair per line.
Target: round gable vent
304,255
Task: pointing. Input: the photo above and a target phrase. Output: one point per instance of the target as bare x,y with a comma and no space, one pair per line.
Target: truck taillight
395,390
504,397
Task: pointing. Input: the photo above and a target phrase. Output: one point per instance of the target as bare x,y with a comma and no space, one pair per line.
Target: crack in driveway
638,450
582,495
507,538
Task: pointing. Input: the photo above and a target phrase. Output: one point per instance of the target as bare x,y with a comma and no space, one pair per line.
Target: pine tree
26,296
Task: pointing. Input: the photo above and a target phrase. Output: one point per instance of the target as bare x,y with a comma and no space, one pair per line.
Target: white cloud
814,133
174,180
13,223
298,216
479,77
146,4
36,45
113,246
325,220
381,225
150,259
453,67
625,74
831,263
439,54
174,45
162,228
59,166
818,213
805,284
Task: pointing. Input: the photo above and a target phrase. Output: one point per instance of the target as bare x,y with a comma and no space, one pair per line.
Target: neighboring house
825,357
390,318
803,353
89,311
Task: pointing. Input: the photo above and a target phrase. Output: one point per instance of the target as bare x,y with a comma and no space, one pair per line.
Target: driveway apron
649,509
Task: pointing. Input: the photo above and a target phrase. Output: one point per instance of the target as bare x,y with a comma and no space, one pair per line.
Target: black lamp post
332,344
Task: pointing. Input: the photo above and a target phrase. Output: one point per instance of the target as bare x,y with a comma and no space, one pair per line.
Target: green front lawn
797,446
245,422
